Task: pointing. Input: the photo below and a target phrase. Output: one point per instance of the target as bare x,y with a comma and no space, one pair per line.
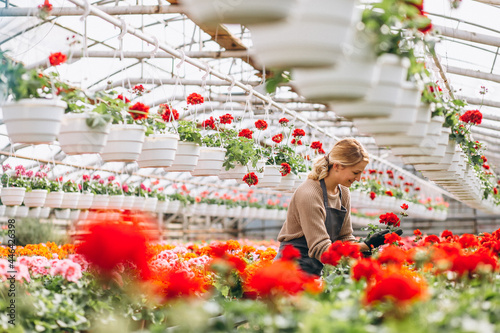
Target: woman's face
349,174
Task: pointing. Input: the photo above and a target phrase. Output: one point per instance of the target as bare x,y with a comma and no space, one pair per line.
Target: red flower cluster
290,253
446,234
298,133
296,142
390,219
123,98
484,158
261,124
246,133
278,138
142,111
395,287
47,6
285,169
338,250
226,119
316,145
251,179
366,268
167,113
404,206
389,193
392,238
373,195
283,121
472,116
138,89
210,122
195,99
417,232
57,58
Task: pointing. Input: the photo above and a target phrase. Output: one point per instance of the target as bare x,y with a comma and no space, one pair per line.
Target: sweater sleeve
346,231
312,216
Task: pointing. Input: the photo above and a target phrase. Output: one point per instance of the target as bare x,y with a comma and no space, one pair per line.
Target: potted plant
55,194
99,187
13,185
159,146
115,193
163,202
34,116
129,196
151,200
86,195
141,194
129,123
188,148
37,188
71,194
240,154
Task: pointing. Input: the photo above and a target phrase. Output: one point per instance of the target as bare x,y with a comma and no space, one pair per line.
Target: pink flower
111,178
22,272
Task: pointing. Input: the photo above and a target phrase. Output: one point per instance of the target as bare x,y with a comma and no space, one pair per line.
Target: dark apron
333,223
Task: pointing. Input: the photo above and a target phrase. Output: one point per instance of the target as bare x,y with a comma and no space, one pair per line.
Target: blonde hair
346,152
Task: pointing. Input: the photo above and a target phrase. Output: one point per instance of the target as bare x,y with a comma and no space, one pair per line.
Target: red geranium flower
390,219
316,145
57,58
261,124
298,133
138,89
246,133
398,288
226,119
495,190
123,98
472,116
167,113
366,268
373,195
290,253
142,109
194,99
484,158
285,169
404,206
297,142
210,122
47,6
417,232
389,193
251,179
283,121
431,239
321,151
392,238
278,138
446,234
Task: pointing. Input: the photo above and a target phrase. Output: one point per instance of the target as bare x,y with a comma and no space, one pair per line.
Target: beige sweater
306,217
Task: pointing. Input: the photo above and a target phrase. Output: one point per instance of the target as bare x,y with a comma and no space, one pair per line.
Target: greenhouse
250,166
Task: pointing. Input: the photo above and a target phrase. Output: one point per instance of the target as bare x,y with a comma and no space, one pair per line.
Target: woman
319,212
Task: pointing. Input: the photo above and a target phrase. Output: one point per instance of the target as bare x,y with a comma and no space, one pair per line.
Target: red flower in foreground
195,99
446,234
366,268
390,219
298,133
289,253
246,133
57,58
210,122
339,249
283,121
285,169
167,113
278,138
226,119
373,195
176,283
261,124
395,287
109,244
431,239
123,98
251,179
142,111
392,238
472,116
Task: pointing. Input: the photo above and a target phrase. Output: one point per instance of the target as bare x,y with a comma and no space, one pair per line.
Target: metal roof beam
111,10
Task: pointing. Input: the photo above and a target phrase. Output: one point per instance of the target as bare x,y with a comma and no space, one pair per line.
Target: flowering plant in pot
18,178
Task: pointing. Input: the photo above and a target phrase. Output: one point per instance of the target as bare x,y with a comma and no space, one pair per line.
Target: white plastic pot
124,143
158,151
186,157
210,161
76,137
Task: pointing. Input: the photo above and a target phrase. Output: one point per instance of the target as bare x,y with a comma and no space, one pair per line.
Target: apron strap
325,196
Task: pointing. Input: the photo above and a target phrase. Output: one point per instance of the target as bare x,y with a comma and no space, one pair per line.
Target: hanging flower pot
85,201
33,120
128,202
124,143
272,176
210,161
186,157
312,36
161,206
70,200
150,205
238,172
100,201
10,211
158,151
12,196
34,212
74,214
83,214
116,202
287,182
237,12
22,211
35,198
62,214
173,207
139,203
76,137
44,212
383,99
349,80
54,199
